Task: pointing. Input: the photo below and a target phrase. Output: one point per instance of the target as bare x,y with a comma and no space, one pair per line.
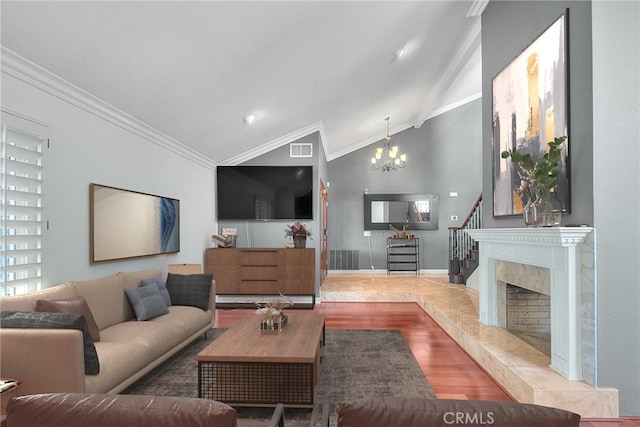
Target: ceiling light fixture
250,118
398,53
386,157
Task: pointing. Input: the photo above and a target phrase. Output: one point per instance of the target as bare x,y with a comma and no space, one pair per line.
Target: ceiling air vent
301,149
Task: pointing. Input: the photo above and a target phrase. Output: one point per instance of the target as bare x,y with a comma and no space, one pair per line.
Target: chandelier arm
388,155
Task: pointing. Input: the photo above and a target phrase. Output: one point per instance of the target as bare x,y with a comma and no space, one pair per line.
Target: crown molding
466,50
22,69
405,126
279,142
453,106
477,7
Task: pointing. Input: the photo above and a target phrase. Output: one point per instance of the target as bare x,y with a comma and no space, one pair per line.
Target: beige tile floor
517,366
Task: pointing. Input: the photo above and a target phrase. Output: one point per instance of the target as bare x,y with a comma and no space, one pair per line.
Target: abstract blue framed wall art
130,224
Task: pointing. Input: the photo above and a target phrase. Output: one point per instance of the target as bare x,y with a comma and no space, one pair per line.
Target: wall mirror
417,211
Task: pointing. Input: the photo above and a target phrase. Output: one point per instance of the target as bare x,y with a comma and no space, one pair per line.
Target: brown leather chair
107,410
418,412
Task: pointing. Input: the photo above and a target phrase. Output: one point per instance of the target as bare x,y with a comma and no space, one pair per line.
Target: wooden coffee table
246,368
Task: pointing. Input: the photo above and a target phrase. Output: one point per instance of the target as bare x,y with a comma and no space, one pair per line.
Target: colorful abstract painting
530,109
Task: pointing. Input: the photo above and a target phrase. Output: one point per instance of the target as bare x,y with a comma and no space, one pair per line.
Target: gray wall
508,27
604,112
616,93
444,155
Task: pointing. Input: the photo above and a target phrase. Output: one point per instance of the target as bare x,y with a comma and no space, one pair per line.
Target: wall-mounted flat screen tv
264,192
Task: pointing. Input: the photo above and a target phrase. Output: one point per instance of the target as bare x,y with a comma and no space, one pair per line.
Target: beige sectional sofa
52,360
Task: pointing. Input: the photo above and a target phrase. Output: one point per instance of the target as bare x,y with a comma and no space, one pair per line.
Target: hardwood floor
450,371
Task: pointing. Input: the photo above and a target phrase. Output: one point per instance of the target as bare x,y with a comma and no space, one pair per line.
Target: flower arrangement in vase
273,318
537,181
299,232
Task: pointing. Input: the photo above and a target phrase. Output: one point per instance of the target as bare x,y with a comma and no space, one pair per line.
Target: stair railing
461,244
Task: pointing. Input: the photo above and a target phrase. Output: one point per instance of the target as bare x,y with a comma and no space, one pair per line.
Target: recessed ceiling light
398,53
250,118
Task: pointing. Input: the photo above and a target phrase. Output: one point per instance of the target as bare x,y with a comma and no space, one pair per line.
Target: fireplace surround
564,255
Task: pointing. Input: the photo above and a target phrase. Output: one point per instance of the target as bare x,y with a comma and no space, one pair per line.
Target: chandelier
386,157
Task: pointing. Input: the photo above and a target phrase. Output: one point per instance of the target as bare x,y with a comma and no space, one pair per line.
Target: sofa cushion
419,412
133,278
36,320
147,302
107,299
159,284
77,305
27,302
190,289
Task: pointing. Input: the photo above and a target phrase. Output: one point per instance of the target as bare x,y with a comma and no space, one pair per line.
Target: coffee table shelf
246,368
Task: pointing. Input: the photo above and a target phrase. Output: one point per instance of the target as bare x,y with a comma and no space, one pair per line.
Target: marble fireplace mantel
555,248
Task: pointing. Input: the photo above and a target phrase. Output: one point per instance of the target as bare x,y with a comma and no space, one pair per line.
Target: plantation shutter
21,218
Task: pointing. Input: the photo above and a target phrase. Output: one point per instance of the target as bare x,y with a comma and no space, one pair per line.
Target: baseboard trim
383,271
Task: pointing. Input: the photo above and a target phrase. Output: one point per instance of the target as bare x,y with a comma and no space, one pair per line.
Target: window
21,219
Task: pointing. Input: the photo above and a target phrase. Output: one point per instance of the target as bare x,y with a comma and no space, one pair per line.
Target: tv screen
264,192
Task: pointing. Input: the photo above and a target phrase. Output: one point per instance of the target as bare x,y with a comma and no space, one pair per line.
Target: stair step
457,279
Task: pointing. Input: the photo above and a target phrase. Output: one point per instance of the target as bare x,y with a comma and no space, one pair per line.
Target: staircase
463,250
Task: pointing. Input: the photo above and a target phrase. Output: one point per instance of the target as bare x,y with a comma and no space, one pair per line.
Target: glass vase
545,211
529,214
269,325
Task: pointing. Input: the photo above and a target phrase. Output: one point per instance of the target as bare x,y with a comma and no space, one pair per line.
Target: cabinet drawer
258,272
221,256
259,258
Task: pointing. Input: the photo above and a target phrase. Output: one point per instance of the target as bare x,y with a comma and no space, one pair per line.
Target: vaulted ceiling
194,70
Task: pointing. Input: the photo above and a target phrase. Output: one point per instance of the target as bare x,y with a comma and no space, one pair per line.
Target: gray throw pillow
146,302
46,320
159,284
190,289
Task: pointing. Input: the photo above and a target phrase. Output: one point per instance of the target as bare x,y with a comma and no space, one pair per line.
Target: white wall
616,189
87,147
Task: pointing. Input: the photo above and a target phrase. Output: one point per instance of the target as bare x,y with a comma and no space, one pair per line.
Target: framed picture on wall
531,108
128,224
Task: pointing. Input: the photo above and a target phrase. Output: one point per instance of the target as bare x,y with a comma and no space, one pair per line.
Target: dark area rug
357,364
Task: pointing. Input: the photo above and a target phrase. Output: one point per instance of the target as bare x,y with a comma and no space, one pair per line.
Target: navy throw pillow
190,289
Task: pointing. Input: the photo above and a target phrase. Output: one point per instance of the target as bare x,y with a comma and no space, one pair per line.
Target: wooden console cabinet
262,271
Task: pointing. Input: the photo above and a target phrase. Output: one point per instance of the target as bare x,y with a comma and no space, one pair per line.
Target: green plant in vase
537,181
